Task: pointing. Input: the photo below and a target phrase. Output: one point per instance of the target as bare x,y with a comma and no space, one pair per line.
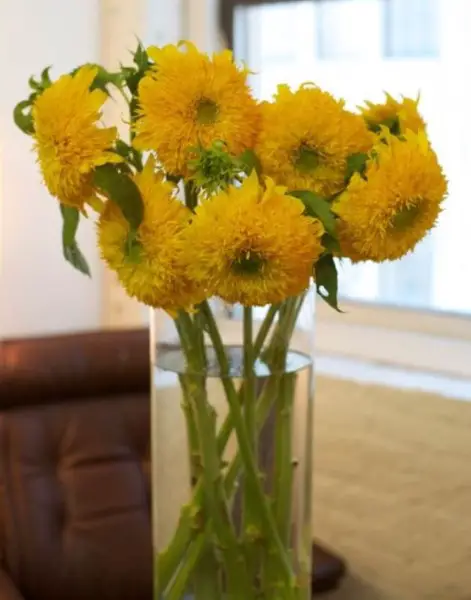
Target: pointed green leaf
104,78
121,190
23,118
250,161
133,248
132,155
33,84
141,58
318,207
325,274
330,243
70,221
72,253
132,77
45,79
356,163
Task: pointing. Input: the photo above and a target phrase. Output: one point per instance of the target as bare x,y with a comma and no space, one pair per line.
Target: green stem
283,475
185,532
179,585
237,581
206,585
191,195
199,337
249,378
265,329
264,405
216,506
253,483
192,432
251,528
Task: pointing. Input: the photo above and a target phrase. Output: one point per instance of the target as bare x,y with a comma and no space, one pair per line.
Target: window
398,29
337,36
411,28
356,49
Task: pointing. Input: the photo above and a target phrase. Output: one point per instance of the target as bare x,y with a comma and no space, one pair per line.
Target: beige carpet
393,491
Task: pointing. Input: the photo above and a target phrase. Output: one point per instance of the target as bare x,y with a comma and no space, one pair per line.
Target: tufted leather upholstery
74,468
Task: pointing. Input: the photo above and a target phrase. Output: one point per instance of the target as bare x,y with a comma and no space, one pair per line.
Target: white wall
39,292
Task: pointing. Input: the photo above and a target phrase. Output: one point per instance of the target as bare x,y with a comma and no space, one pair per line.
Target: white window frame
419,340
410,339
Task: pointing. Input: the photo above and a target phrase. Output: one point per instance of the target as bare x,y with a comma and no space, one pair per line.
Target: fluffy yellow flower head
384,215
306,138
156,278
68,140
252,244
398,116
188,99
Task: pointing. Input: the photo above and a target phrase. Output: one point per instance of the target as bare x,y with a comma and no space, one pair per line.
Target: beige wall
39,292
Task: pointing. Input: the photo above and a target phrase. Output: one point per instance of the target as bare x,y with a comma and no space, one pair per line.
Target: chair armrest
8,590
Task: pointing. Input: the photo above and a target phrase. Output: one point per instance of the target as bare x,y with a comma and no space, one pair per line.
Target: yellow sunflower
306,138
397,116
68,140
384,215
252,244
188,99
157,277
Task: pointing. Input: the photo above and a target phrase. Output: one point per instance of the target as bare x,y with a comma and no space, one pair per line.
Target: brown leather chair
74,470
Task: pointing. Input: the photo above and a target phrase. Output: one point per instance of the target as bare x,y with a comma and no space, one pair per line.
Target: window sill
375,374
428,343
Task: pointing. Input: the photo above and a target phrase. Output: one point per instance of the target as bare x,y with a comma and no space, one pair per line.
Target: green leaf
330,243
70,218
43,83
104,78
141,58
133,248
356,163
132,155
121,190
45,79
72,253
318,207
33,84
24,119
132,77
250,161
325,274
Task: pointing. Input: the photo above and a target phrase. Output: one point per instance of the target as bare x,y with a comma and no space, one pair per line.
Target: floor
393,488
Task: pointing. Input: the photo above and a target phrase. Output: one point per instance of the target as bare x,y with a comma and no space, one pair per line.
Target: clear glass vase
232,427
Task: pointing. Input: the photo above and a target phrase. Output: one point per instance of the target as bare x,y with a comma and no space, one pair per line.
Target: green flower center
306,159
206,112
248,263
405,217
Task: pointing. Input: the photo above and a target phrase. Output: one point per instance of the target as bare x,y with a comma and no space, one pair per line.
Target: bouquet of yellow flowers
213,194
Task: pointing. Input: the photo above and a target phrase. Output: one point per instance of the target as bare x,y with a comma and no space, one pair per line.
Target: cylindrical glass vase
232,433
